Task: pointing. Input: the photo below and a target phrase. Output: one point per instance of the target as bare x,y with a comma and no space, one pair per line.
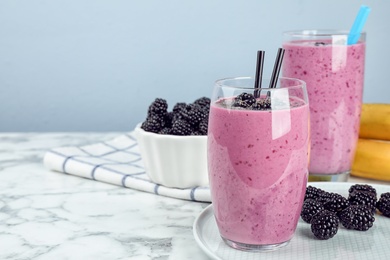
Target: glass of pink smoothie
258,160
334,74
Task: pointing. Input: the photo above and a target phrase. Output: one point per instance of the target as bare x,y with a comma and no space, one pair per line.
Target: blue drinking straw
357,26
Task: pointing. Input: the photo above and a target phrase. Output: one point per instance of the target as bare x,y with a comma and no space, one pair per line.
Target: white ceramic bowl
174,161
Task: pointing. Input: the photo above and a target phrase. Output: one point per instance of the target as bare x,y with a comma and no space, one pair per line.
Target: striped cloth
118,162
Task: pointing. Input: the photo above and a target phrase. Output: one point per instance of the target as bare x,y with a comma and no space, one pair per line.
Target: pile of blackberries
325,210
184,119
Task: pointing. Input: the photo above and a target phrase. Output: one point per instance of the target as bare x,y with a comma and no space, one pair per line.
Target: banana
375,121
372,160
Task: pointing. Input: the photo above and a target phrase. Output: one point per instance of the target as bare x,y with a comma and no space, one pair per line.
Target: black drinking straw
277,66
259,73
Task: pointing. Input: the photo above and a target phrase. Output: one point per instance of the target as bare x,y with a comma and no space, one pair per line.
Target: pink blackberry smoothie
334,75
258,171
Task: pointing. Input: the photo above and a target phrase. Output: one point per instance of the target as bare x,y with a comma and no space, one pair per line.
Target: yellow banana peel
372,159
375,121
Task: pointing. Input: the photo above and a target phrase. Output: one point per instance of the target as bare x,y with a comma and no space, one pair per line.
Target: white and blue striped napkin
118,162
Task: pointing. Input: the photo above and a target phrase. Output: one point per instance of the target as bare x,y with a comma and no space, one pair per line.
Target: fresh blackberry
196,132
154,124
203,126
181,127
310,208
158,107
244,100
193,114
168,119
177,116
319,43
262,104
385,195
357,217
363,198
362,187
165,131
383,204
326,196
178,107
313,192
257,106
206,111
324,224
336,203
204,102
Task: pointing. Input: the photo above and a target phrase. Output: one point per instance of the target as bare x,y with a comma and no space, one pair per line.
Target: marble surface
50,215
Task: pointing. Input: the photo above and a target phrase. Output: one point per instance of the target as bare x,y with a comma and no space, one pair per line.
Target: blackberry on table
244,100
310,208
383,204
181,127
313,192
357,217
326,196
158,107
336,203
385,195
362,187
325,224
363,198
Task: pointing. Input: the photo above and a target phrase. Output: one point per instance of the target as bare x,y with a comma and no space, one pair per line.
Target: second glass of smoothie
334,74
258,143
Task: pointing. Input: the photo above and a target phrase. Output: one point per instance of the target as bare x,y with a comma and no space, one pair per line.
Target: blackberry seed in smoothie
334,74
258,169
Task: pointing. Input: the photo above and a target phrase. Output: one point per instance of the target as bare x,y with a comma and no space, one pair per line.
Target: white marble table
50,215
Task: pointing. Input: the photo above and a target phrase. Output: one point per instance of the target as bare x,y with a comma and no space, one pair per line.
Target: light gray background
93,65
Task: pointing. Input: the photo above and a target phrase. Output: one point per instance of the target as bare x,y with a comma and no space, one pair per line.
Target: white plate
346,244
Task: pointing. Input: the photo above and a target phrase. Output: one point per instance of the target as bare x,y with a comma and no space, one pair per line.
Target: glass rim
317,33
220,83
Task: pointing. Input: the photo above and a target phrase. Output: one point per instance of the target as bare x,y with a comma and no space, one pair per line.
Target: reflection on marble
50,215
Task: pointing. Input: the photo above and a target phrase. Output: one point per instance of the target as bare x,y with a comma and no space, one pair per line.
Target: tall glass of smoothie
258,141
334,74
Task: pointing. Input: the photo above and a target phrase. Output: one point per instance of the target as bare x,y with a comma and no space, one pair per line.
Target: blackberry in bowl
173,144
